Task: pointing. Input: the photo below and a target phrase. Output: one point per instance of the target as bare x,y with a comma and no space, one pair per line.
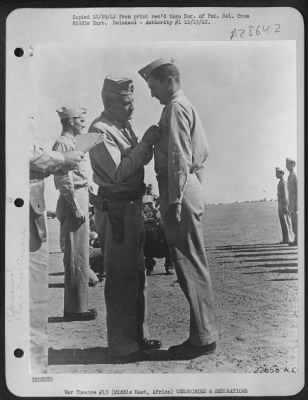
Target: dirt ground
255,284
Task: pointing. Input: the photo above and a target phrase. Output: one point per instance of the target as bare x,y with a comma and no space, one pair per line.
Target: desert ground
256,295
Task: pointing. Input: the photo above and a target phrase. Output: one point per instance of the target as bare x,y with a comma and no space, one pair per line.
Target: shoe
293,244
101,277
177,347
187,351
149,344
168,272
85,316
93,279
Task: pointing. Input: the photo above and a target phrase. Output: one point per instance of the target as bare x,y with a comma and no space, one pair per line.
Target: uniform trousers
125,284
187,252
38,296
76,253
286,227
294,223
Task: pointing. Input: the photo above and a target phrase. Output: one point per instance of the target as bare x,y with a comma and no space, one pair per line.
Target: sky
244,92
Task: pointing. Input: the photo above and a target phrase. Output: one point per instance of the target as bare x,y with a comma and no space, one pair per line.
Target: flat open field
255,285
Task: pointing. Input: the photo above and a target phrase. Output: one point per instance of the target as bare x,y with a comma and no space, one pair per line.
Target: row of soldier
180,149
287,203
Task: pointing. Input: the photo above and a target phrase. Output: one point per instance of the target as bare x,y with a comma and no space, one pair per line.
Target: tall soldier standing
283,207
179,156
118,166
41,165
73,214
292,189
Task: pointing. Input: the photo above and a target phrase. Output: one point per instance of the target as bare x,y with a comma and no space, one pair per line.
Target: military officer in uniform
73,214
118,166
292,190
41,165
283,207
180,156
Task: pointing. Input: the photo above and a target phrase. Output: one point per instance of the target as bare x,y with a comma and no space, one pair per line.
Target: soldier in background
73,214
41,165
292,190
155,245
96,258
283,207
118,166
180,156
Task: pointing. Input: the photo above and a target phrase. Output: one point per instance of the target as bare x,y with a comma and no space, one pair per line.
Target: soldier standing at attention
73,214
118,166
42,164
283,207
180,156
292,189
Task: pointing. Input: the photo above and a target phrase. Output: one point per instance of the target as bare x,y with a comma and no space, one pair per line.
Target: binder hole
19,202
18,353
18,52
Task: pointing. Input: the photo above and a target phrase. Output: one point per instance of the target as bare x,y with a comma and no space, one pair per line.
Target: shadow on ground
56,273
253,254
56,319
100,355
56,285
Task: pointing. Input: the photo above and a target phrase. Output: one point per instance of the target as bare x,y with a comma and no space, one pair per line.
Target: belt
76,187
128,195
115,204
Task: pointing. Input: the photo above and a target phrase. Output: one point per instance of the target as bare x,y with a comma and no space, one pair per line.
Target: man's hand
152,135
173,213
79,216
72,158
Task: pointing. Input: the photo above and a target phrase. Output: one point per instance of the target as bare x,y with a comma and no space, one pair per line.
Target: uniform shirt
44,161
282,194
67,181
182,148
118,160
292,188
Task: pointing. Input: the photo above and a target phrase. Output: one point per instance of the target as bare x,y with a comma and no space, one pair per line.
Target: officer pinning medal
118,169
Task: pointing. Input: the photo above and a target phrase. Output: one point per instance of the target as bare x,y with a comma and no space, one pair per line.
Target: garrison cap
71,112
278,169
146,71
122,86
291,160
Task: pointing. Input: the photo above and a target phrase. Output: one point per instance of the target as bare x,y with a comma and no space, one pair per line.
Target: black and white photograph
159,207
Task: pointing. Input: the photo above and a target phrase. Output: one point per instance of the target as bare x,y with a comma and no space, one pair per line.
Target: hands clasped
152,135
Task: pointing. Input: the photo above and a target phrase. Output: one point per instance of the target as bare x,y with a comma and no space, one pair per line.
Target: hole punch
18,353
19,202
18,52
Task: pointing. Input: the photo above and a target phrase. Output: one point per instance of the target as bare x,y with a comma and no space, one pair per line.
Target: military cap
146,71
290,160
122,86
278,169
71,112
